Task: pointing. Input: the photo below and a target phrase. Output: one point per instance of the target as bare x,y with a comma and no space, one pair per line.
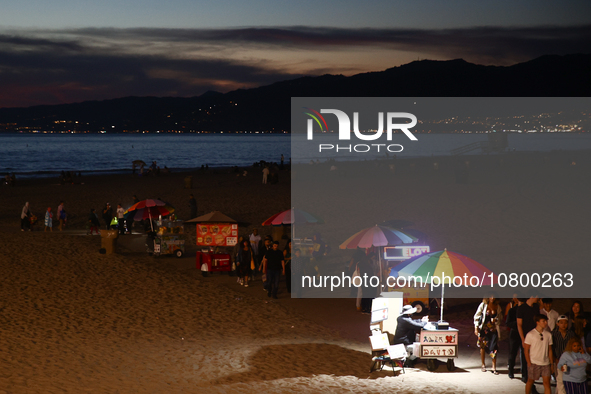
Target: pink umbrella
377,236
292,216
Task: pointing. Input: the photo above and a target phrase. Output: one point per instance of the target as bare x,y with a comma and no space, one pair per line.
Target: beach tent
212,217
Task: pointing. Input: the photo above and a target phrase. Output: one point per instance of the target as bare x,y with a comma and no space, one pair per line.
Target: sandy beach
74,320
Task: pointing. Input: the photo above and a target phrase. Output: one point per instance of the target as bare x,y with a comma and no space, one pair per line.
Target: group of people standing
257,256
112,221
549,344
28,218
61,216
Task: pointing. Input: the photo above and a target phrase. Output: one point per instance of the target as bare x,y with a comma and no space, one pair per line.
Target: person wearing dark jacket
368,292
108,215
193,206
406,327
93,223
514,338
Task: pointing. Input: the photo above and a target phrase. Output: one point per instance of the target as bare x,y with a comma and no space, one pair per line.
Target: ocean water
48,154
434,145
34,155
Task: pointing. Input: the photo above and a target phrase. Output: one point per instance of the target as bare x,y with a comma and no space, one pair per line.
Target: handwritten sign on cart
439,337
435,351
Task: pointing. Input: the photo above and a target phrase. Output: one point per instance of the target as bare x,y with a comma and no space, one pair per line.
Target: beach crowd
551,345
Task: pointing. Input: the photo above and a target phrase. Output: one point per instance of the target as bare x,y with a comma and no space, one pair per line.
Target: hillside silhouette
267,108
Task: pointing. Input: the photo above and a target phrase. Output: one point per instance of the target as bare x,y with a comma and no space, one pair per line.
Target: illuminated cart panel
169,238
434,344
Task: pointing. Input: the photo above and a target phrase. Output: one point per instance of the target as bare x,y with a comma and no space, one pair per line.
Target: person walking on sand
120,219
61,215
537,347
525,323
25,217
561,335
193,206
514,338
573,363
274,267
108,215
93,222
48,219
265,174
550,313
245,262
287,271
267,245
487,327
255,242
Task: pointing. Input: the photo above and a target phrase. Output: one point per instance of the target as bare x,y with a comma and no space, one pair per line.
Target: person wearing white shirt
538,354
550,313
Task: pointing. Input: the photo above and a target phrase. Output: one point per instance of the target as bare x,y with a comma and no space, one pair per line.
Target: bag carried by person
355,273
252,267
63,215
114,222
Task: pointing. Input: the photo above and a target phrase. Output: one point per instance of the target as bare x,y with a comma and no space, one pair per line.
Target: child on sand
48,219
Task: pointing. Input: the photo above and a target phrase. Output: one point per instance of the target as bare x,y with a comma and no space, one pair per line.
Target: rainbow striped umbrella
440,263
147,209
292,216
443,264
377,236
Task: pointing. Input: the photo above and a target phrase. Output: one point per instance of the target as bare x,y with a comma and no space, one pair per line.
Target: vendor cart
435,343
210,261
216,234
169,238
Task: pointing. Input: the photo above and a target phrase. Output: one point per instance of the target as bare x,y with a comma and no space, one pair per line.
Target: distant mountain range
267,108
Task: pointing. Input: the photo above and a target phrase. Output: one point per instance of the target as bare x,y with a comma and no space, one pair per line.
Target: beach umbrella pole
381,269
442,294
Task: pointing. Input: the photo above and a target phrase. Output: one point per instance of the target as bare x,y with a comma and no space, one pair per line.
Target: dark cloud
503,44
55,66
46,76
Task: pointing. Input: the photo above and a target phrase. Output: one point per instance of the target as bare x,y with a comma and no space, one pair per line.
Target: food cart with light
169,238
215,234
436,339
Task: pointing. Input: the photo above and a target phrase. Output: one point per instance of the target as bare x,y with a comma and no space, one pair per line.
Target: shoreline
382,159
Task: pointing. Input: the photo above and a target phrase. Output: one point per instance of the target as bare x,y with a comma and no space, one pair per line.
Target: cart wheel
419,305
431,364
178,253
450,364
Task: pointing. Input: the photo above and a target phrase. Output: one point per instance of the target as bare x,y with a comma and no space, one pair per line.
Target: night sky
68,51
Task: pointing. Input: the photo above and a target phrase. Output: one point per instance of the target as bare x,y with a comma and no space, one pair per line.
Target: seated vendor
406,327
